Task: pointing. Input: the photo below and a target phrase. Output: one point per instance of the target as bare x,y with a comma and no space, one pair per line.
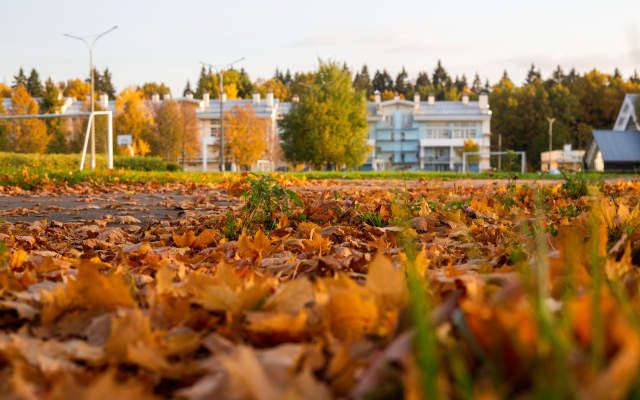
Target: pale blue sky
163,41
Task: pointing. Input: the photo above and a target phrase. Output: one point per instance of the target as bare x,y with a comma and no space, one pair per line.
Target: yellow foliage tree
26,135
175,122
77,89
231,90
279,89
245,135
389,95
141,148
5,91
470,147
132,116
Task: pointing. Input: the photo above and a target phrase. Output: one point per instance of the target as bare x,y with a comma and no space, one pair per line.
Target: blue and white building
427,135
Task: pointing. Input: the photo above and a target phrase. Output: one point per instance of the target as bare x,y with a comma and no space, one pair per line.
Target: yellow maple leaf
185,240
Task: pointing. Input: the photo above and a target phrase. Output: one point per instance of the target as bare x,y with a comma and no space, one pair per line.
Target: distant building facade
403,134
565,159
427,135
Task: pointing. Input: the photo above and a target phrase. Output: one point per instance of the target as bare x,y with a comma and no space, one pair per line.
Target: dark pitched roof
618,146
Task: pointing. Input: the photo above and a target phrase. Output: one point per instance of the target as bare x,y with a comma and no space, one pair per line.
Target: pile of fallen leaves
522,292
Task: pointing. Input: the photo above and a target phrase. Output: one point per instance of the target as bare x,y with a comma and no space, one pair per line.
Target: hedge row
72,162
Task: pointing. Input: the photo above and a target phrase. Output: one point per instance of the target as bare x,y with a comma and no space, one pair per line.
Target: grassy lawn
31,177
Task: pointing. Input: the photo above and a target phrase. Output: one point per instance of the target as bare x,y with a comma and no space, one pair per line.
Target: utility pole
550,139
220,72
93,105
499,151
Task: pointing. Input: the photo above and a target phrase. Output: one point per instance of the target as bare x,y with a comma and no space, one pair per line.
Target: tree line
578,102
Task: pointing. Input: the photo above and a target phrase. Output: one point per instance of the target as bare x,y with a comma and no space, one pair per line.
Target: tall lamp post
550,139
93,126
220,72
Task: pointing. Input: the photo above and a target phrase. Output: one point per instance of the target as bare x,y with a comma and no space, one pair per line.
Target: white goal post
489,153
86,139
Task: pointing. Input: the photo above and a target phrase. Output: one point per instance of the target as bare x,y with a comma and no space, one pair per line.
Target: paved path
163,205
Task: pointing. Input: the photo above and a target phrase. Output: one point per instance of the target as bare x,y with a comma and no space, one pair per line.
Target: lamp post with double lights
93,126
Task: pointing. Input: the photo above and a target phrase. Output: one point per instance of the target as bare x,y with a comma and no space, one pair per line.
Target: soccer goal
91,116
382,165
264,166
480,154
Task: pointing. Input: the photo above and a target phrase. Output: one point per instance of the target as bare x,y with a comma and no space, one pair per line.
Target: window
393,136
442,134
407,120
402,136
215,128
389,121
438,133
442,152
464,123
402,157
464,133
440,123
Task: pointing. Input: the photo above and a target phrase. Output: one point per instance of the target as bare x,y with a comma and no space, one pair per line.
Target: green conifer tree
19,80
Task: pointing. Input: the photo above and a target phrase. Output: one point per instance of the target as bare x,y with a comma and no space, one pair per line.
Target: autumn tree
279,89
26,135
132,116
4,131
51,104
209,82
245,135
5,91
175,125
470,147
150,88
77,89
329,124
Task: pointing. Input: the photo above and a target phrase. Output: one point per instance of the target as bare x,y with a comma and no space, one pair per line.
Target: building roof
440,109
626,119
260,108
618,146
449,108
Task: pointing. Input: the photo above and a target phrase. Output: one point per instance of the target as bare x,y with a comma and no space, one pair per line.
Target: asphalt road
167,205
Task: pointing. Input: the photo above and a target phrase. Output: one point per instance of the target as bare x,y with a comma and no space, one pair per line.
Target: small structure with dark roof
613,150
618,149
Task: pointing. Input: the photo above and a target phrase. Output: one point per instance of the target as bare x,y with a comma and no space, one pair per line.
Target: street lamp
550,138
93,126
220,72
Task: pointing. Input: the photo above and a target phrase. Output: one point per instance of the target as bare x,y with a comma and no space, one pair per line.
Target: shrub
145,164
72,162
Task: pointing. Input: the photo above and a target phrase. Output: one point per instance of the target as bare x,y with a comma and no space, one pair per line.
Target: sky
164,41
